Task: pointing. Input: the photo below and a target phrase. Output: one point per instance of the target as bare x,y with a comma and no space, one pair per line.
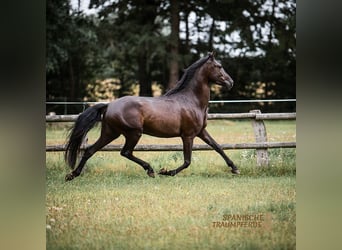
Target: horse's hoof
235,171
151,174
163,171
69,177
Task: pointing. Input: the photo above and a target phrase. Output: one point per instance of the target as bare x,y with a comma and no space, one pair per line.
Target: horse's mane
187,76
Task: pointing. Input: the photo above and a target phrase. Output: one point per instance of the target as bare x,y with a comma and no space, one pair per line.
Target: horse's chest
193,122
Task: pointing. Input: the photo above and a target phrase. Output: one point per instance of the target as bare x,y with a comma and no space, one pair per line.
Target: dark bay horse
181,112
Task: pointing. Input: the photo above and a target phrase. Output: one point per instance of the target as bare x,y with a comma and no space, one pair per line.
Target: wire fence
217,106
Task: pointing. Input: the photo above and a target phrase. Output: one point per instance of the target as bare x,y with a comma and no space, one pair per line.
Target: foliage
72,53
103,90
57,35
130,41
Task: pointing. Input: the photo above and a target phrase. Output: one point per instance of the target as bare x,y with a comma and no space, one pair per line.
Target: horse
180,112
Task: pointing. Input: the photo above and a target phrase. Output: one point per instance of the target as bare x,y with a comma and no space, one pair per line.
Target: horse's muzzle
229,84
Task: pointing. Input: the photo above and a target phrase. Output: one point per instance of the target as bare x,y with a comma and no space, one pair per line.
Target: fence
261,145
268,105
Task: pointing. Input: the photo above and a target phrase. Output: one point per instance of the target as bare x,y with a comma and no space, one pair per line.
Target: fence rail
211,101
256,116
261,145
76,105
177,147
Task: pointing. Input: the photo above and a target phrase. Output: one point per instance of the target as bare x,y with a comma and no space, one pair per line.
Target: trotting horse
180,112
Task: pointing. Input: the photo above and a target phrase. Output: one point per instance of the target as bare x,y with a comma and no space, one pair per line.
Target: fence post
260,136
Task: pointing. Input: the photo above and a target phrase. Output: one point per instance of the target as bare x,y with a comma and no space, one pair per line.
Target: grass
115,205
222,131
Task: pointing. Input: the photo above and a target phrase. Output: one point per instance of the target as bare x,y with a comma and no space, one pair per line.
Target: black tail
83,124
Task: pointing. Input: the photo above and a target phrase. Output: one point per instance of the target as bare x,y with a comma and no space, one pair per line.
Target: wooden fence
261,145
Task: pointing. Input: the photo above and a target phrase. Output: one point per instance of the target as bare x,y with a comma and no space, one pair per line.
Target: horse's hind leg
204,135
104,139
127,151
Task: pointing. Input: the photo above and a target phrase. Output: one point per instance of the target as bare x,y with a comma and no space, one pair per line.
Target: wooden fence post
260,136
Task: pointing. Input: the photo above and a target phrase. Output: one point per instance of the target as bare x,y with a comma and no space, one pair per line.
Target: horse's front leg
187,150
204,135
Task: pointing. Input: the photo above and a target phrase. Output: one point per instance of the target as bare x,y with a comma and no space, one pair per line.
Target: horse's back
152,115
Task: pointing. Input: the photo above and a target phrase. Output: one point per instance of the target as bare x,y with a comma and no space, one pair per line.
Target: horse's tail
83,124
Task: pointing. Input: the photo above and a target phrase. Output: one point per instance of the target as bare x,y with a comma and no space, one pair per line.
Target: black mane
187,76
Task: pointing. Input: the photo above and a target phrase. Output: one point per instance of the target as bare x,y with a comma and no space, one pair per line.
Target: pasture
115,205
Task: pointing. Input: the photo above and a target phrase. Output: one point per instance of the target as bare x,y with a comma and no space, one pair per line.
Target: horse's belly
162,127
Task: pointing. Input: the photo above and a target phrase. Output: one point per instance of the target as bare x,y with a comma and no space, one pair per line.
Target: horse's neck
201,90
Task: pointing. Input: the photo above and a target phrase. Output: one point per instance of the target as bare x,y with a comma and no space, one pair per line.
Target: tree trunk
174,39
144,79
72,81
187,32
211,36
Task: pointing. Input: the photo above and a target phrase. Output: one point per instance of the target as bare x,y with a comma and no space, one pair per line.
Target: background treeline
141,47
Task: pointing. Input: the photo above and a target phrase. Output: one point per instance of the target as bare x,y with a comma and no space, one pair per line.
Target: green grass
223,131
115,205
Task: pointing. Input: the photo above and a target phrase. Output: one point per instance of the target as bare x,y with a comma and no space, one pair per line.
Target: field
115,205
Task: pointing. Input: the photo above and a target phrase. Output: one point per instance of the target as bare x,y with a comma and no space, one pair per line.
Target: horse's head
217,74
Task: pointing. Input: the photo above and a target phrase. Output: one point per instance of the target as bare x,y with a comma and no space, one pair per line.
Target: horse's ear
211,55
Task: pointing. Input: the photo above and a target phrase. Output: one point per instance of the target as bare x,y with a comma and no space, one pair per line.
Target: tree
174,40
136,30
57,42
73,59
145,42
